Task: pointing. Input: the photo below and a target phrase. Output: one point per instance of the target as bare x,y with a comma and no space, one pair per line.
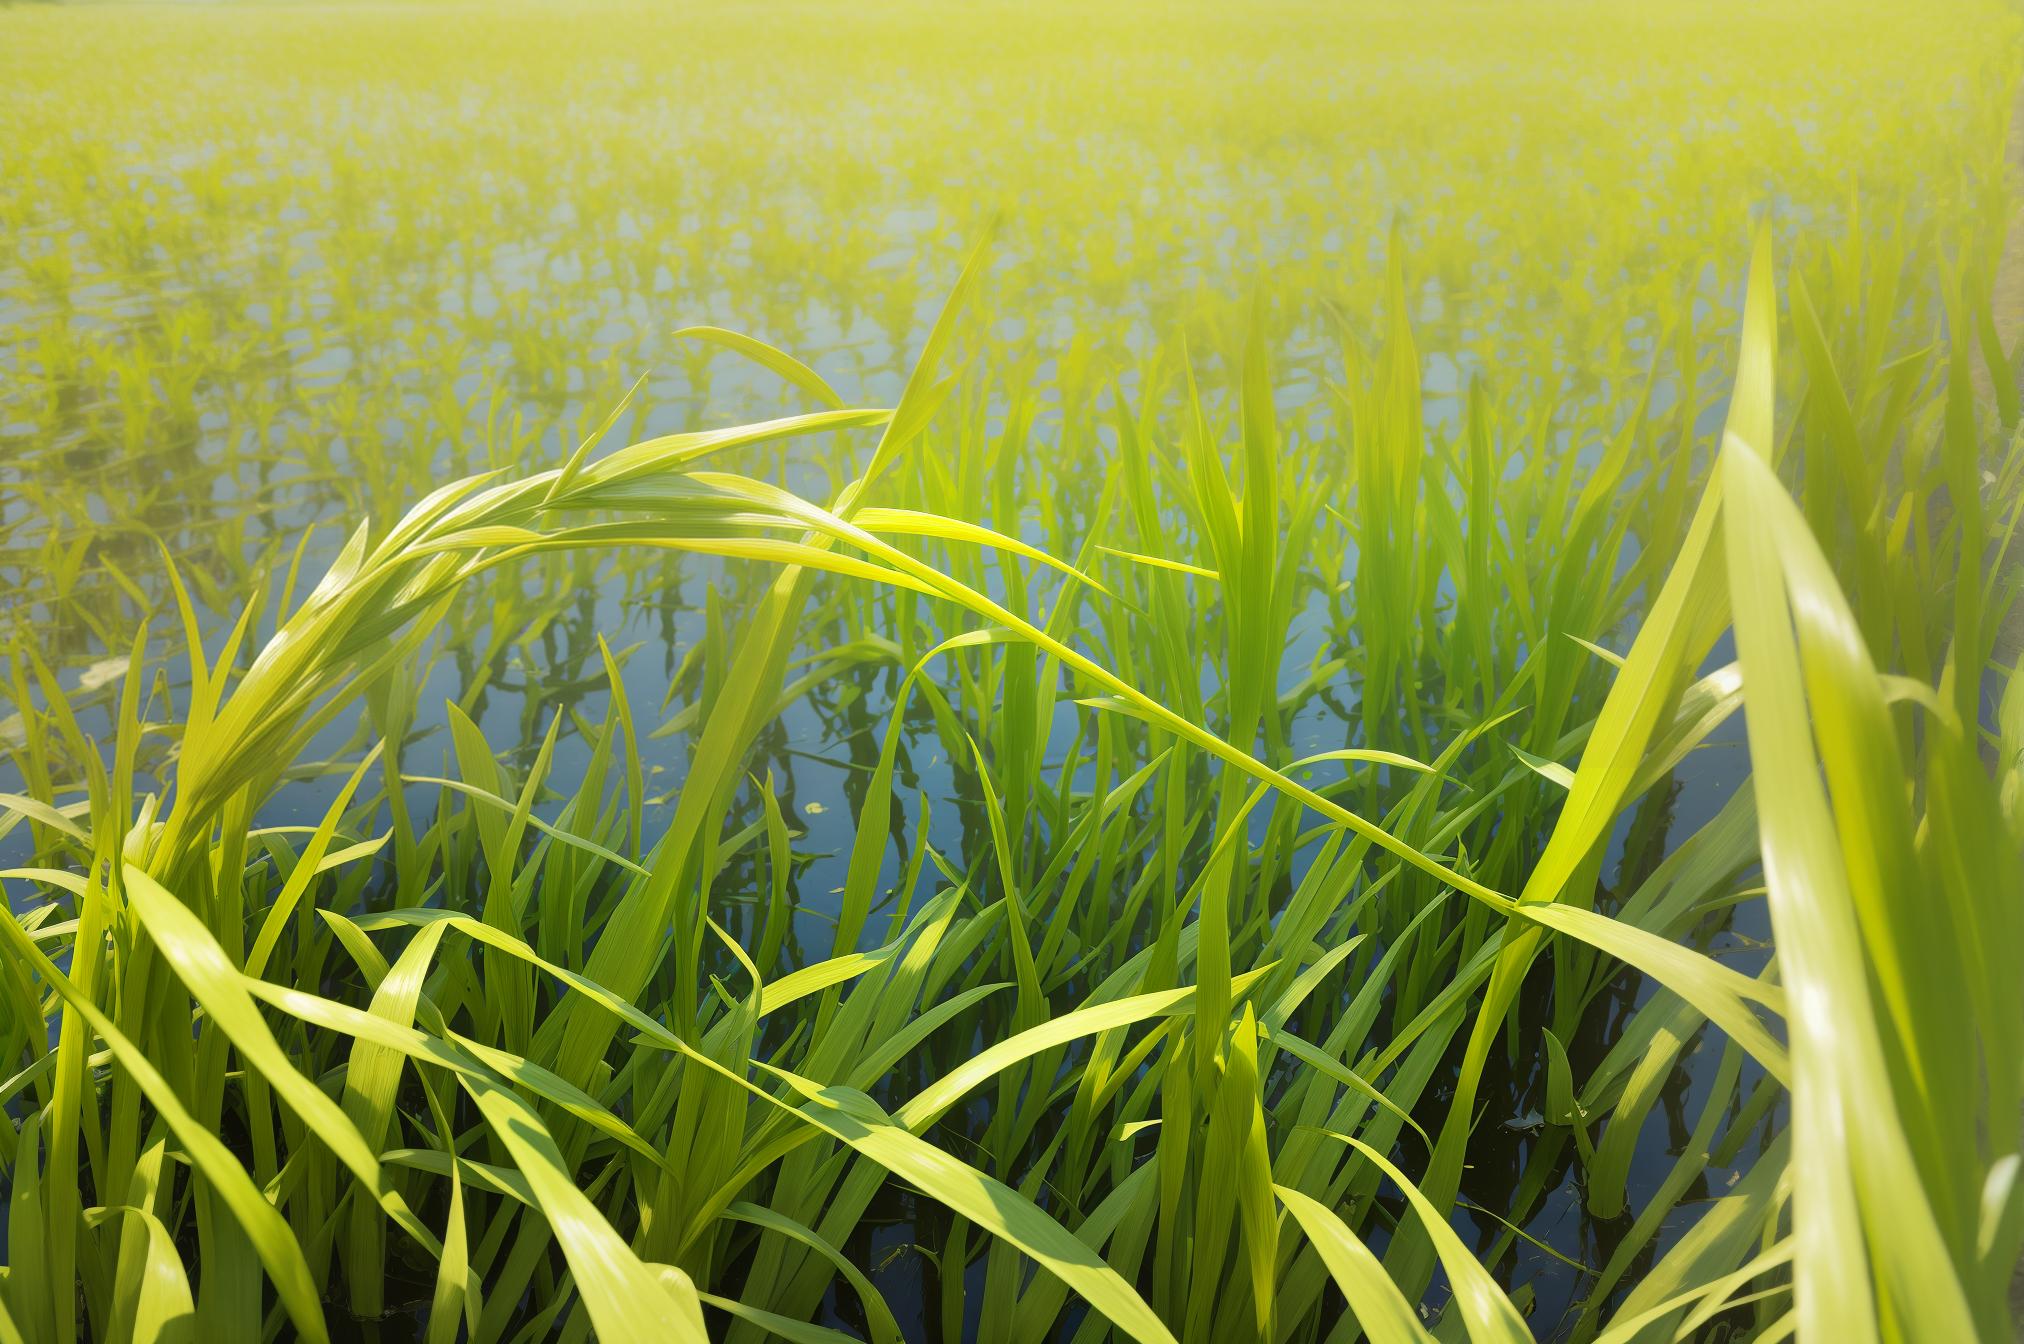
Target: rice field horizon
1024,673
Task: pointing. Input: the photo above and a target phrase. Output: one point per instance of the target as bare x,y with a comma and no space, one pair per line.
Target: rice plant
1277,770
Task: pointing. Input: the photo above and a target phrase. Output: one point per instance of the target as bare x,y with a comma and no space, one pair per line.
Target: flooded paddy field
1274,673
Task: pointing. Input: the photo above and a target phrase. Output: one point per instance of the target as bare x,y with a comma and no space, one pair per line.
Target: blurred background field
269,266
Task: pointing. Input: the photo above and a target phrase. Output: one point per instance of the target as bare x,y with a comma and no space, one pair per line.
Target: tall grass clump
1416,800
